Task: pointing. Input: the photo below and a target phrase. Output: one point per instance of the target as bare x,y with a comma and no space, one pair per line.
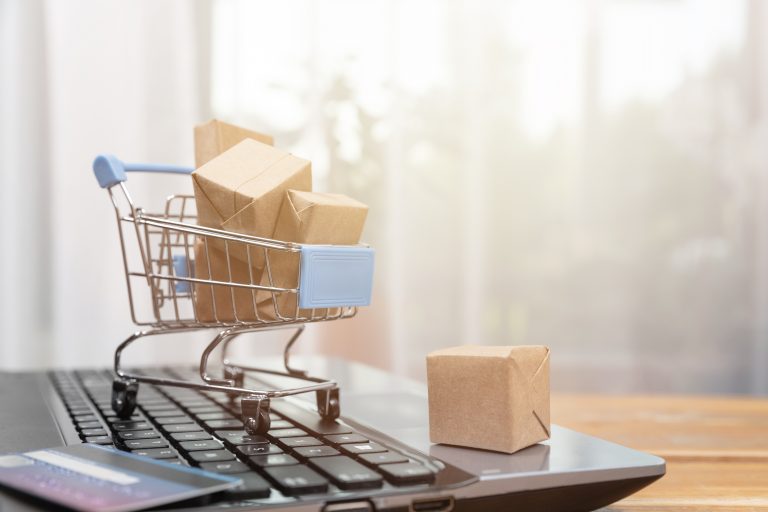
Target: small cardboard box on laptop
493,398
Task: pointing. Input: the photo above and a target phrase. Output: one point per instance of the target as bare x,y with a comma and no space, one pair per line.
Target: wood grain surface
716,447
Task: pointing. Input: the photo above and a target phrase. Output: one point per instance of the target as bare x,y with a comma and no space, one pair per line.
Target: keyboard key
158,406
346,438
295,442
191,436
130,425
407,473
143,444
355,449
240,437
88,432
315,451
134,417
310,420
165,413
253,486
88,424
277,459
182,427
383,458
294,480
215,416
347,473
228,467
223,424
280,424
156,453
204,409
85,417
287,432
194,446
258,449
211,456
98,440
138,434
173,420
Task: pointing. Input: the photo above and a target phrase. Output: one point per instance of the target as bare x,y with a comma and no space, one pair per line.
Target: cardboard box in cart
215,137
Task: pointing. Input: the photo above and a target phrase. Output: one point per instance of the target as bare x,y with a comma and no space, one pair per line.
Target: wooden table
716,447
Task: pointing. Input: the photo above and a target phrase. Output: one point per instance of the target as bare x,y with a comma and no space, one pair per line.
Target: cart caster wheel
124,397
255,414
328,403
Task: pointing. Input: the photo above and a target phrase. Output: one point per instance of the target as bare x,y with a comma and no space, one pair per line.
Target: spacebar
310,420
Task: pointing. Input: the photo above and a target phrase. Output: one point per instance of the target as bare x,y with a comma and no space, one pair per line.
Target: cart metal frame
166,243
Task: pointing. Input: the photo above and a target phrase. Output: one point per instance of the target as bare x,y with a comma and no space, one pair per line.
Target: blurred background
590,175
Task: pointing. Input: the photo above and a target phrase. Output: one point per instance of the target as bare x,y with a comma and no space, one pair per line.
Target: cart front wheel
124,397
328,403
255,414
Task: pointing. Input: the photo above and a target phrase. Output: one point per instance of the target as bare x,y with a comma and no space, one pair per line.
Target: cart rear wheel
255,414
328,403
124,394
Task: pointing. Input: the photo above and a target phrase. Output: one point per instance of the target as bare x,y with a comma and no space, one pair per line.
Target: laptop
375,457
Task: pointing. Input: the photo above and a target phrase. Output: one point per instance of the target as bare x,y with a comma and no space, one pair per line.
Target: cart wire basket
204,278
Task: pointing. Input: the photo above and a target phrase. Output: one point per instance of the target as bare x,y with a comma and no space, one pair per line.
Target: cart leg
255,410
124,393
237,376
328,403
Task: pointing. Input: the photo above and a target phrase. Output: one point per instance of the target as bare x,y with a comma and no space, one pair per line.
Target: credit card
92,478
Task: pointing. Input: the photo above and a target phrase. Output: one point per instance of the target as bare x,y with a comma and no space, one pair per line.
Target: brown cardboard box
308,218
241,190
494,398
214,303
215,137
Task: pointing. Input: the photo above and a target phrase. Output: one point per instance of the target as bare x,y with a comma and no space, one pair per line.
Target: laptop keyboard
301,454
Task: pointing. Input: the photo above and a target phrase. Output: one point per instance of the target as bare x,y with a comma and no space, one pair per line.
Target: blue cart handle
110,171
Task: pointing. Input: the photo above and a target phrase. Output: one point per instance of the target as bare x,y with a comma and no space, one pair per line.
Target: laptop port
350,506
444,504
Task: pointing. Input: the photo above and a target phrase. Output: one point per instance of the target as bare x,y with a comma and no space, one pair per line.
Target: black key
309,420
356,449
204,409
230,466
173,420
211,455
316,451
98,440
130,425
288,432
88,424
143,444
258,449
276,459
156,453
280,424
165,413
407,473
113,419
253,486
138,434
195,446
240,437
191,436
223,424
347,473
182,427
383,458
294,480
215,416
158,406
346,438
294,442
93,432
85,417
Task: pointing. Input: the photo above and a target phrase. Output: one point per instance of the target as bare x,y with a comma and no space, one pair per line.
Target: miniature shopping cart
159,255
